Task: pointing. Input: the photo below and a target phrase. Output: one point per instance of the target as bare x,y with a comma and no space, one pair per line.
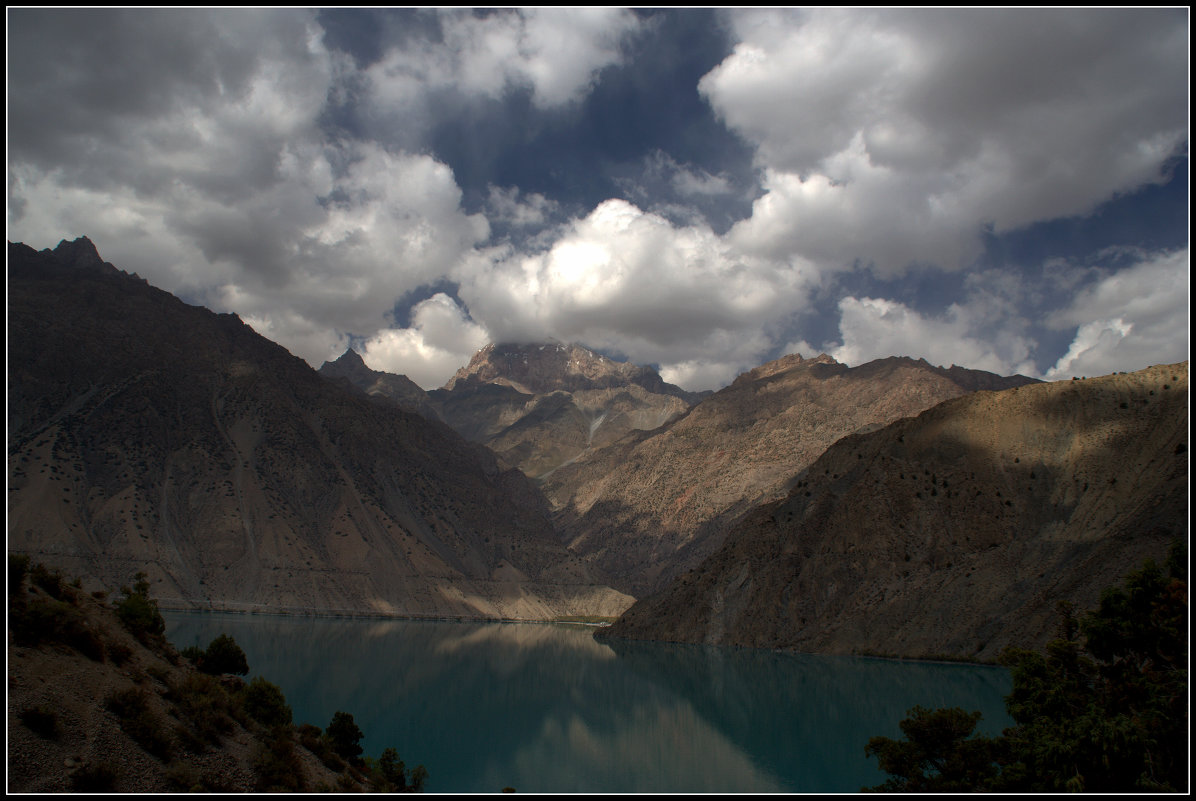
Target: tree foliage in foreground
1106,714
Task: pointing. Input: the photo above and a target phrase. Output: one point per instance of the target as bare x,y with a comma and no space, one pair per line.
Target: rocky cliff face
953,533
651,506
543,406
146,434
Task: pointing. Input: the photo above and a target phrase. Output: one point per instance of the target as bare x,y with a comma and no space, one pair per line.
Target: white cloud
628,280
875,328
441,339
519,209
228,193
895,136
686,180
882,137
1130,319
557,53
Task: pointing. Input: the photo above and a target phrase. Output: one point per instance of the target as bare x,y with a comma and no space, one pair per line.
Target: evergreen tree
344,735
224,656
1105,715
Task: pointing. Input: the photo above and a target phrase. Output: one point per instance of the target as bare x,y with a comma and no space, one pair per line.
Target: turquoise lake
546,708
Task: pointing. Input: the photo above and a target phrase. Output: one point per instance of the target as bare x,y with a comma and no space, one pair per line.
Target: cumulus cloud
519,209
1125,320
631,281
916,129
556,53
222,186
874,328
1129,319
237,159
440,339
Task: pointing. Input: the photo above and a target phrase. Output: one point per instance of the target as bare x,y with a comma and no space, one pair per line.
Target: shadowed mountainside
397,389
148,434
655,504
950,534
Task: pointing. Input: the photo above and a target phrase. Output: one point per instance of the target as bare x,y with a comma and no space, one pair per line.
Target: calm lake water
545,708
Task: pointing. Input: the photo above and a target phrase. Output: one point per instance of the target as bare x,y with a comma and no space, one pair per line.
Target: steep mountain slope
542,406
953,533
91,708
397,389
148,434
654,505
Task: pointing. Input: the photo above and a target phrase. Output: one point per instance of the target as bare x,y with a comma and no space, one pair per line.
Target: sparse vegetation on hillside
100,701
1108,714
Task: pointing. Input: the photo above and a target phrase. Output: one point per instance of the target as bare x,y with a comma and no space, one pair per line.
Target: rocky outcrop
146,434
653,505
539,407
953,533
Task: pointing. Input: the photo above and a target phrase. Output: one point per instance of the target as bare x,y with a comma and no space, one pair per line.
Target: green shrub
192,653
312,738
265,703
51,581
49,620
200,700
139,613
137,720
224,656
391,776
277,765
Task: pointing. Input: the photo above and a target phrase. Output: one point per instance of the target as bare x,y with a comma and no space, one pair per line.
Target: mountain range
954,533
147,434
894,507
654,505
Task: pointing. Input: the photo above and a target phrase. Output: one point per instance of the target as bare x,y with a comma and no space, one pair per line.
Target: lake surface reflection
545,708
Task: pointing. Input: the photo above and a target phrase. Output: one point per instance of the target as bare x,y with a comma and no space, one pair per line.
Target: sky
700,190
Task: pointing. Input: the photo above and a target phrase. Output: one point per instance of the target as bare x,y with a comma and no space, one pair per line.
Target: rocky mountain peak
396,388
349,362
81,254
541,368
777,366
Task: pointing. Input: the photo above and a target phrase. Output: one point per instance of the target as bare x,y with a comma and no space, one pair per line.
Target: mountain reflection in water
545,708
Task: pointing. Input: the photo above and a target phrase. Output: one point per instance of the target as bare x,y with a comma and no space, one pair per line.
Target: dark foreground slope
91,708
146,434
950,534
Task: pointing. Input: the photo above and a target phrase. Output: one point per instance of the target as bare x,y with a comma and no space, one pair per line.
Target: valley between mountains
895,507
